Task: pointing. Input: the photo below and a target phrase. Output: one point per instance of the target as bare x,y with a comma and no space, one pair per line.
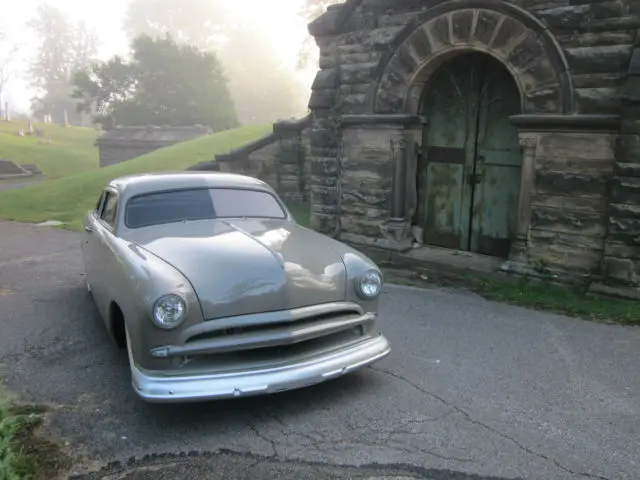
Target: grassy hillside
68,199
71,150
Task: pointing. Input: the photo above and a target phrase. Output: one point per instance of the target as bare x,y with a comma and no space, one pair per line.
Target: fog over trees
252,83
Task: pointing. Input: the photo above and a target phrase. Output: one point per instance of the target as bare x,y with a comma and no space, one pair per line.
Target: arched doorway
469,170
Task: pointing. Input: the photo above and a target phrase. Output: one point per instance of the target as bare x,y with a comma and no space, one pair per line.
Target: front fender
146,278
356,264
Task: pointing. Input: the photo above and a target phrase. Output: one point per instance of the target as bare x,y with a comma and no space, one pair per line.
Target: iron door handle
474,178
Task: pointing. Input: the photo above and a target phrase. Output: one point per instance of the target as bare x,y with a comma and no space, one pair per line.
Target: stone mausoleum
504,128
122,143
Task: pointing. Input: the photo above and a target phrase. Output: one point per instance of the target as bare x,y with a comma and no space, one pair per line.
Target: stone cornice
566,122
383,119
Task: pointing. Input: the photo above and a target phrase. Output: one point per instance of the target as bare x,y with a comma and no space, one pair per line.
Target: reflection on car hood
248,266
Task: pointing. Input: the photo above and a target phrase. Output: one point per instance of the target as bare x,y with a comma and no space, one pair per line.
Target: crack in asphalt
320,444
134,464
470,419
261,435
402,430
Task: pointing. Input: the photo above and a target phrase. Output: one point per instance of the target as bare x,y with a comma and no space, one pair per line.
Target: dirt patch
38,458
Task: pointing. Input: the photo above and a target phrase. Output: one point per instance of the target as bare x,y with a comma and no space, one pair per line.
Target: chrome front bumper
166,389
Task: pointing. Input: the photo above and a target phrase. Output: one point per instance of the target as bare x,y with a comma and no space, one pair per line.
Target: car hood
240,267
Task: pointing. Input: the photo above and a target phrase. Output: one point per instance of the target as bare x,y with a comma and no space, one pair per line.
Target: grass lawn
552,298
71,150
68,199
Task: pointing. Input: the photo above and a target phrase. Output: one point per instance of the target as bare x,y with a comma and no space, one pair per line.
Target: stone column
398,160
528,142
398,226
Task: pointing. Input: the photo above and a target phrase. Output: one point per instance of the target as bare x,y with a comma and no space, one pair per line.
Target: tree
8,55
195,22
261,89
105,88
166,83
63,50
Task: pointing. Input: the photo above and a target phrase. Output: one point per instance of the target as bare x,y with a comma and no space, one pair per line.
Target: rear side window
245,203
200,204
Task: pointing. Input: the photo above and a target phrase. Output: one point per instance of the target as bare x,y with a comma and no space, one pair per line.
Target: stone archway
508,33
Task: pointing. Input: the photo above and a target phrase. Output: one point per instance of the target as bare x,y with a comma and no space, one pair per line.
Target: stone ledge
554,274
206,166
566,122
441,264
295,126
377,244
382,119
248,148
626,293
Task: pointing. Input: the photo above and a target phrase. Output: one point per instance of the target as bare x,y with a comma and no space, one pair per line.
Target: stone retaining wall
280,159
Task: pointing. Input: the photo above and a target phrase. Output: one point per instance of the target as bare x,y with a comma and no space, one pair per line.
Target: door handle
474,178
88,229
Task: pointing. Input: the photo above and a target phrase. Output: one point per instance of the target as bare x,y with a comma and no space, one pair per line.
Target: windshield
200,204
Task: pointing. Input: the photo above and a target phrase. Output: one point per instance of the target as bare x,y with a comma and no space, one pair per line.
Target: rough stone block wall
366,176
597,38
586,198
570,201
279,159
325,145
621,264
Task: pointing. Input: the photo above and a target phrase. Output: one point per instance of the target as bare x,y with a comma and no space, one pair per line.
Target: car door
88,243
101,251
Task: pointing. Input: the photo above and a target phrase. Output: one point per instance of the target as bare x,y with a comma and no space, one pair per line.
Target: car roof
156,181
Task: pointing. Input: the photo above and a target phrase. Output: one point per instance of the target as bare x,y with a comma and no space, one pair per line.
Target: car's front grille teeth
345,315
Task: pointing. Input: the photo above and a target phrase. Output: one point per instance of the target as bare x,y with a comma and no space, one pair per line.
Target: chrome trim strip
272,337
156,388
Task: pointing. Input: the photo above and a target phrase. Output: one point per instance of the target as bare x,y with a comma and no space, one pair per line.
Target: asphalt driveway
471,387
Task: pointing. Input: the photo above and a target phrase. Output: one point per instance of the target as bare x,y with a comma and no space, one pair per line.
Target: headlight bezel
359,281
173,325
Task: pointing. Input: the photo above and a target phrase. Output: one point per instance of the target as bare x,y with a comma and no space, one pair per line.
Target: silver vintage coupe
216,292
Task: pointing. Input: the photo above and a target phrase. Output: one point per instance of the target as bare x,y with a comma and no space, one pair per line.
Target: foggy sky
278,19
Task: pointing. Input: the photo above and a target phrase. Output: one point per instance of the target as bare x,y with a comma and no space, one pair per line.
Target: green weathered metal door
470,171
498,166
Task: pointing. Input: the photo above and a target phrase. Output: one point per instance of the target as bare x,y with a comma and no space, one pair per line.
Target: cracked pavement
472,390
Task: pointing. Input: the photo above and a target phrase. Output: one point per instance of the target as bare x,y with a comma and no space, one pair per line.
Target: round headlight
370,284
169,311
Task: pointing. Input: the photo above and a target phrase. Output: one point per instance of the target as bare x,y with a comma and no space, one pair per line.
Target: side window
108,214
99,204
